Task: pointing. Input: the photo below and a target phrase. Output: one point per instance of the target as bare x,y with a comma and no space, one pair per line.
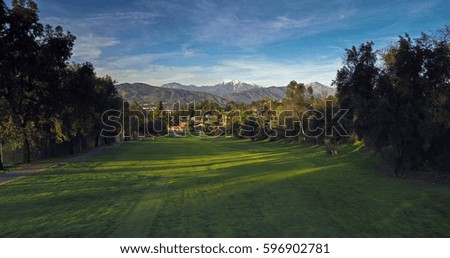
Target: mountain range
147,94
222,93
220,89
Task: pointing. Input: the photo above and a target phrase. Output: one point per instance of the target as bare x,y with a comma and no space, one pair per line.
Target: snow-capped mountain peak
235,86
234,82
223,88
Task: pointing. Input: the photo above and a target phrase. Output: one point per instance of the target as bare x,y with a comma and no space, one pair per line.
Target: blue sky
206,42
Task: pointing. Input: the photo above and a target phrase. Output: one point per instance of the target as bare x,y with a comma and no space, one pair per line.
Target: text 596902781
303,248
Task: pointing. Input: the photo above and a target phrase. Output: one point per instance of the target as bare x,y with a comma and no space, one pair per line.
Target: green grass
191,187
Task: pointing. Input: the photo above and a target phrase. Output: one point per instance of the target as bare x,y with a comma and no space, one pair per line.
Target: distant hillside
147,94
176,85
278,93
257,94
222,93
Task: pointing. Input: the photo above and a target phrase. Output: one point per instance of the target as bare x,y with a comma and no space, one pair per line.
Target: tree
419,73
355,83
158,120
3,107
299,99
32,61
106,98
78,102
295,96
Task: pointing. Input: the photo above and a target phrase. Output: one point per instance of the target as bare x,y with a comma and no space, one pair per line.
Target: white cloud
283,23
90,47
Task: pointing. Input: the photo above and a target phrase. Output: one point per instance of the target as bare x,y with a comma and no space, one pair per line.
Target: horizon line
224,81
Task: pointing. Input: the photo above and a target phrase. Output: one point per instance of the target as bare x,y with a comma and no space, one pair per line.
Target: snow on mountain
321,90
221,89
228,87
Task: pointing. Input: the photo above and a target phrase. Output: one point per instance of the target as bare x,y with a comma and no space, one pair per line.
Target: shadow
221,189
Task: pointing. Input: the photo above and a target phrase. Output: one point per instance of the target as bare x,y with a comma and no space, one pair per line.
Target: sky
268,43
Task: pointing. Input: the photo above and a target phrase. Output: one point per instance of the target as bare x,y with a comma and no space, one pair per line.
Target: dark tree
355,83
32,62
402,108
44,101
419,72
106,98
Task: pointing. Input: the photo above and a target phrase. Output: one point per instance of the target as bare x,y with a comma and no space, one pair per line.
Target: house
182,126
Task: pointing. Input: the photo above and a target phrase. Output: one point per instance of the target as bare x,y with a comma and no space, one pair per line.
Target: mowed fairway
195,187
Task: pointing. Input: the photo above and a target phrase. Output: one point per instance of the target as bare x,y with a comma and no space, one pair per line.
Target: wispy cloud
139,61
230,27
96,32
125,17
106,22
419,8
89,47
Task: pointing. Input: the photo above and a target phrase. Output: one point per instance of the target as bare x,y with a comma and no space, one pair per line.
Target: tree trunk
71,146
1,157
27,151
97,138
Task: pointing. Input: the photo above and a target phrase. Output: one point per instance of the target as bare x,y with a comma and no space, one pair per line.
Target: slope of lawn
196,187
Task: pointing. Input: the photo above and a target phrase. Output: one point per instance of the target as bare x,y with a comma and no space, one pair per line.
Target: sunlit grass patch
190,187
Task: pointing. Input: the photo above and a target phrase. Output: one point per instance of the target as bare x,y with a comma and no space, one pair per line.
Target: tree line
302,116
44,99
